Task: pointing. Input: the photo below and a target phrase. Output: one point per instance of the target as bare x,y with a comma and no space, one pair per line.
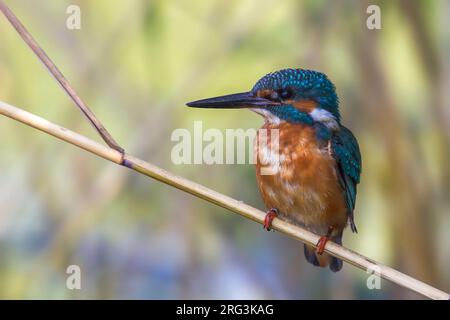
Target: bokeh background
136,63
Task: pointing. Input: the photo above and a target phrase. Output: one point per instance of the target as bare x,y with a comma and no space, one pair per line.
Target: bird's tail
324,259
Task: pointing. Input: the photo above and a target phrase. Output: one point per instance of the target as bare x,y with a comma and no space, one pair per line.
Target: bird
315,167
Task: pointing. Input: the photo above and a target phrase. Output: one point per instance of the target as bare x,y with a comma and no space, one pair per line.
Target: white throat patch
268,116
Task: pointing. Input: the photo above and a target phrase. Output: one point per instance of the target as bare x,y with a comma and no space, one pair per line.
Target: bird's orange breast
302,181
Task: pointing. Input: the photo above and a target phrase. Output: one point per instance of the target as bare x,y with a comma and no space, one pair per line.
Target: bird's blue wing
348,159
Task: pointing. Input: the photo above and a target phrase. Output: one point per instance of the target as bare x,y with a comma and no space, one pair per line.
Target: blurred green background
136,63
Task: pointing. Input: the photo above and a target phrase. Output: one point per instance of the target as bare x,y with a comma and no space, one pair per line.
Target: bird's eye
285,94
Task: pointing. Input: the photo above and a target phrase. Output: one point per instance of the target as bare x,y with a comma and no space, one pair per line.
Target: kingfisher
316,164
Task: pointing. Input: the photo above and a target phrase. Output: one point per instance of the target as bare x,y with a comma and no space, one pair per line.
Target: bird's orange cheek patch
303,105
265,93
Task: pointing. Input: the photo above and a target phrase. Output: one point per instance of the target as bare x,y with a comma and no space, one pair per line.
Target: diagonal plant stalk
219,199
53,69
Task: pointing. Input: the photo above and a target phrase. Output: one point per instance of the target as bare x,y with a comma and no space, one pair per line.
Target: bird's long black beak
232,101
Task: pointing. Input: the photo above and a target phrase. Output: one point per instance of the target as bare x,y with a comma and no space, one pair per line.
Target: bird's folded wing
348,159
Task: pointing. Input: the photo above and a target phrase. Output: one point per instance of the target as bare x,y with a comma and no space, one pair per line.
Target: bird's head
292,95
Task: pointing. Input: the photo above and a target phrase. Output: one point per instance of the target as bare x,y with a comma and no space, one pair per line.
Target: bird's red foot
270,215
323,241
321,244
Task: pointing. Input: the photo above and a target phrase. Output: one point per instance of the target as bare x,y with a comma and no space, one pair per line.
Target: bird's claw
270,215
320,246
